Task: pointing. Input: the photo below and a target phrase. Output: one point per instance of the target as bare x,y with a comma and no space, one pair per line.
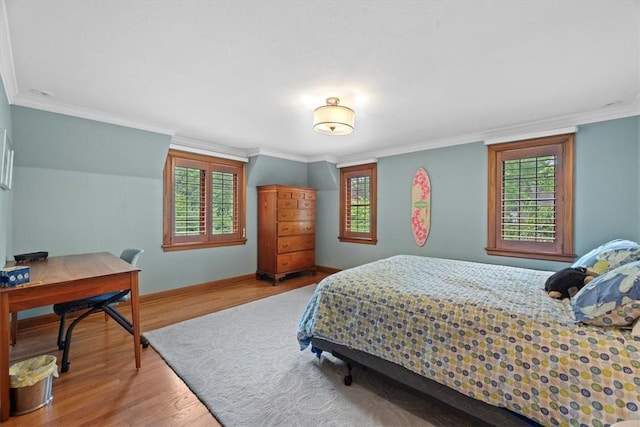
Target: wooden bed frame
492,415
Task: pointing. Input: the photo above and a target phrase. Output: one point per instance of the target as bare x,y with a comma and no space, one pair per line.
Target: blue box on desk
12,276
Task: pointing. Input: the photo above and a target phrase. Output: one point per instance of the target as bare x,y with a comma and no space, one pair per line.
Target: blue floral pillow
610,255
612,299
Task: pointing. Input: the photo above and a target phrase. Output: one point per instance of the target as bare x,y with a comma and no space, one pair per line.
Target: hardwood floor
102,386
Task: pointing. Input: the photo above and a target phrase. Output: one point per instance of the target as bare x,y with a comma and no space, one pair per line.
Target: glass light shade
333,119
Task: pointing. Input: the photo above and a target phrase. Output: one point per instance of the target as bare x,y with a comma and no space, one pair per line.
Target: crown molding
38,103
541,126
7,69
356,163
412,148
209,148
568,121
278,154
608,113
322,158
522,137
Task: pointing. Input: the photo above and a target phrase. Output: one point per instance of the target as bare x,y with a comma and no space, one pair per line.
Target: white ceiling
247,74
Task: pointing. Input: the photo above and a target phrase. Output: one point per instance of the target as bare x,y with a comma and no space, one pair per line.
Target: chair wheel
347,380
64,367
145,344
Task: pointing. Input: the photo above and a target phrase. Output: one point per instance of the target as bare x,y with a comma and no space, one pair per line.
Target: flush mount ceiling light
333,119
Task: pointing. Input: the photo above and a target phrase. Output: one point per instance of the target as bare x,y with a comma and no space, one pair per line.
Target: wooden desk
61,279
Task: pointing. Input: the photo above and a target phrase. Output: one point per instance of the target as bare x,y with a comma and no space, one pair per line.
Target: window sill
357,240
201,245
531,254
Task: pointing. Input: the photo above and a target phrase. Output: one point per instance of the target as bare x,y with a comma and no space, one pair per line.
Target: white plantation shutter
529,199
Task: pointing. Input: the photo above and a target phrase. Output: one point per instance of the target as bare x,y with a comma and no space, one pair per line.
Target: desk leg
135,316
4,356
14,327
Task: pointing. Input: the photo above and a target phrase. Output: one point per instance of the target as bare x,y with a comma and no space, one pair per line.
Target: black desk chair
93,305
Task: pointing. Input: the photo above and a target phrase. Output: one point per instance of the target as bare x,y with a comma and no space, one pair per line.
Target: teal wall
323,176
266,170
87,186
82,185
6,196
607,202
607,191
55,141
62,206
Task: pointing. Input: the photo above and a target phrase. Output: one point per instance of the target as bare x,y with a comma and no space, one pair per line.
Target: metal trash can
31,383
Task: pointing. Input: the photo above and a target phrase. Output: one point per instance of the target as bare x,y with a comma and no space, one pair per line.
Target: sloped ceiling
247,75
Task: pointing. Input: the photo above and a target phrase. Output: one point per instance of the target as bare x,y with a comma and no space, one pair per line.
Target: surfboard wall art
421,206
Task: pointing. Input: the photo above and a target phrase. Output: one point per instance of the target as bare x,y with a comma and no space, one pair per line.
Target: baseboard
44,319
329,270
194,289
36,321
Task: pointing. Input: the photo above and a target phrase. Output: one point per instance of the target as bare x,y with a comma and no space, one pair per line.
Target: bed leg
348,378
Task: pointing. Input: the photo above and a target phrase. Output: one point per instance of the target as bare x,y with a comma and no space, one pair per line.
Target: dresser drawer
296,261
307,204
303,195
296,215
287,204
299,204
296,195
291,228
296,243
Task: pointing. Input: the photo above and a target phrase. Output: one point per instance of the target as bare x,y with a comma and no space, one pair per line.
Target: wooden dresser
286,231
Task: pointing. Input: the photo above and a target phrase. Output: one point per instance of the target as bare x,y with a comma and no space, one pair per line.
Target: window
204,201
358,204
530,206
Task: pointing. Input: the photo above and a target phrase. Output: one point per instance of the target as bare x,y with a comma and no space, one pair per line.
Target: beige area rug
245,365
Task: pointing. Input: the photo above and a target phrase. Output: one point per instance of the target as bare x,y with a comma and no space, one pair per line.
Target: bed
484,338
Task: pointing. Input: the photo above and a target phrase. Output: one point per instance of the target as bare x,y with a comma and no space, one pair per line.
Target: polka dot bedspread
488,331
